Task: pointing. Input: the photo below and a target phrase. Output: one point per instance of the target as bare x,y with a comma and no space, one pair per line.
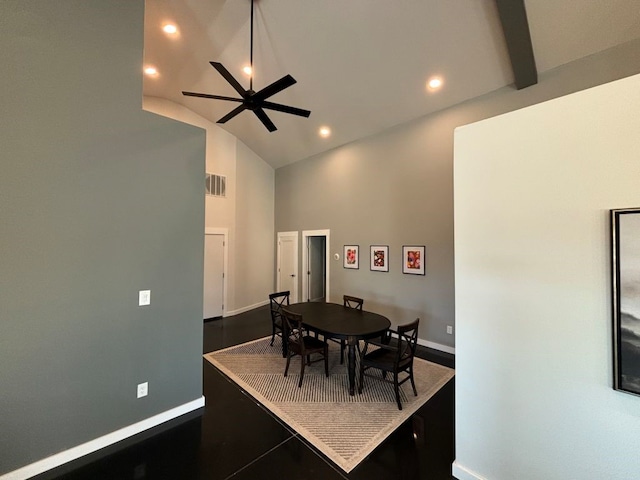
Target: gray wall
98,200
397,188
246,211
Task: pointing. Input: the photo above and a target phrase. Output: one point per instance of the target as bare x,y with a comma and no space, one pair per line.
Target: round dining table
333,320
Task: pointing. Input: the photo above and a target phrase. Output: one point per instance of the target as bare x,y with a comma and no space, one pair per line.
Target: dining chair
394,358
349,302
276,302
300,343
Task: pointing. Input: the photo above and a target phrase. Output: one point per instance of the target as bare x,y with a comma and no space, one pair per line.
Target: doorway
317,272
215,262
315,265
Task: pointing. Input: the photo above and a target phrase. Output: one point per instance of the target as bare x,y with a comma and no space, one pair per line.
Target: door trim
305,259
294,294
225,262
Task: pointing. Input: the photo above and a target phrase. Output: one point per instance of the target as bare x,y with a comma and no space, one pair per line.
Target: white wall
247,210
532,190
255,228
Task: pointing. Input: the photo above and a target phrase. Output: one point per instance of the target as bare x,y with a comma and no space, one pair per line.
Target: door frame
225,261
305,260
294,294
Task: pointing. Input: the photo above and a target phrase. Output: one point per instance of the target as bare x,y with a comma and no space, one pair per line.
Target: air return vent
216,185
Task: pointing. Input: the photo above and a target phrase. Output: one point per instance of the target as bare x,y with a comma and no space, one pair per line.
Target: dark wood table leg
351,360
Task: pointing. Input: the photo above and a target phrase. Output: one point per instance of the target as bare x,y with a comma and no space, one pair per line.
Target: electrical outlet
144,297
449,329
143,389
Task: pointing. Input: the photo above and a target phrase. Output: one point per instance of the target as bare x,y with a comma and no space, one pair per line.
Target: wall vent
216,185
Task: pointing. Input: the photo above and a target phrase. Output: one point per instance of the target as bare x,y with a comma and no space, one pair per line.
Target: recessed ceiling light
434,83
247,70
150,71
170,28
324,132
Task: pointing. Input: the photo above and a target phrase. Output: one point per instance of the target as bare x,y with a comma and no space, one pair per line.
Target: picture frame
413,259
351,257
625,291
379,258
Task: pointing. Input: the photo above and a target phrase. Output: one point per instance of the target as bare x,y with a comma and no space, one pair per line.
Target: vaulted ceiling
362,66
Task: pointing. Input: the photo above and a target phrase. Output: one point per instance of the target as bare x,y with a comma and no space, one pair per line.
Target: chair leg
302,363
397,389
326,360
413,384
361,378
287,367
273,333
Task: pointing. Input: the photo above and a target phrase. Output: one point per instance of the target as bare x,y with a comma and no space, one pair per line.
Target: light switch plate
143,389
144,297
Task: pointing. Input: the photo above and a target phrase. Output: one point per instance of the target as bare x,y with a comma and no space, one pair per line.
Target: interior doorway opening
315,265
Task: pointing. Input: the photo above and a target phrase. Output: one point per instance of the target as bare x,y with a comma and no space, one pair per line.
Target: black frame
625,223
423,260
386,258
355,266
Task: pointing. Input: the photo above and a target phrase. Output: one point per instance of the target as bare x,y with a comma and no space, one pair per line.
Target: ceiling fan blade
286,109
265,120
229,78
215,97
233,113
274,88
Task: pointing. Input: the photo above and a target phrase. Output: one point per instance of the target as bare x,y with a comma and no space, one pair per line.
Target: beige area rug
346,429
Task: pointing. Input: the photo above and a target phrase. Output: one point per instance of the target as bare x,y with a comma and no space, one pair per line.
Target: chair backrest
277,301
353,302
407,341
295,330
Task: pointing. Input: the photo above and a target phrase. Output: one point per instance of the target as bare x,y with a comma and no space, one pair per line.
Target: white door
213,276
287,278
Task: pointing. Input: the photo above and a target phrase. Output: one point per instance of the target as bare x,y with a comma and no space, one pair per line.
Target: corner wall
533,188
98,200
247,211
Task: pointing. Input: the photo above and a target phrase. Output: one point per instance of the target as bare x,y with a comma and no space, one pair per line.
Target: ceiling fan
251,100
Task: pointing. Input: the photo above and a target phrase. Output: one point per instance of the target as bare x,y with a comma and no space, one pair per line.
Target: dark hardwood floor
234,437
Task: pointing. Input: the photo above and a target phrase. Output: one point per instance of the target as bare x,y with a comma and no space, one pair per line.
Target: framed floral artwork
413,259
379,258
351,256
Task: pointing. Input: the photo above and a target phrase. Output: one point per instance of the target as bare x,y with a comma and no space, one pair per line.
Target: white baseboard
435,346
230,313
462,473
91,446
